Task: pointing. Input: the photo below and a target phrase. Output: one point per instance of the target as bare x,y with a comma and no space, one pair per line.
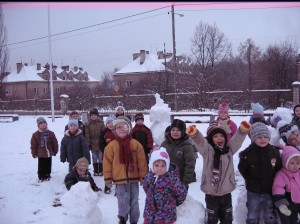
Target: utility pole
174,57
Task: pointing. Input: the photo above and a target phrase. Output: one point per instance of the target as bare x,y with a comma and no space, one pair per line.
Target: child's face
120,110
75,117
81,171
140,122
42,125
110,125
219,139
159,167
297,111
223,115
294,138
294,164
72,128
262,141
175,133
94,117
122,129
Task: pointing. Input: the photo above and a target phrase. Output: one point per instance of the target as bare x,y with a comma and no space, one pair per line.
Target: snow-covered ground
24,200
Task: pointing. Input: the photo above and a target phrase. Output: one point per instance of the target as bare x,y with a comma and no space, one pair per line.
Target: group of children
271,178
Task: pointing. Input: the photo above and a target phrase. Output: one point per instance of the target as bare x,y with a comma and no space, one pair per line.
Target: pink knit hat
223,107
288,153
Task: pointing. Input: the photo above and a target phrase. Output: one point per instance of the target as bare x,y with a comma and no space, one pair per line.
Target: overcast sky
117,30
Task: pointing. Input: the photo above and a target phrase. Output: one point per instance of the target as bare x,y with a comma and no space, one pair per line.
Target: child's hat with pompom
159,154
288,153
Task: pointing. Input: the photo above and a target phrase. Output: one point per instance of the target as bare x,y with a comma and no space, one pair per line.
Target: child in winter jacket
180,150
286,186
94,132
124,163
80,173
163,188
258,165
224,120
109,136
44,145
218,179
296,117
143,134
73,145
289,133
74,115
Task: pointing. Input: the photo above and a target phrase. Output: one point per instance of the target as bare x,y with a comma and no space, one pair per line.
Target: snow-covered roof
151,64
27,73
30,73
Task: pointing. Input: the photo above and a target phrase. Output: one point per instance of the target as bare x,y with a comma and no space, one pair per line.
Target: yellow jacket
115,172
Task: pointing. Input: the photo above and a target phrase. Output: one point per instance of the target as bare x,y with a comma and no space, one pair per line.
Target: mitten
245,126
191,130
284,210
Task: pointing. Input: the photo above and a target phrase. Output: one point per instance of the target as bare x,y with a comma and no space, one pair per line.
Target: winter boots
107,190
121,220
98,169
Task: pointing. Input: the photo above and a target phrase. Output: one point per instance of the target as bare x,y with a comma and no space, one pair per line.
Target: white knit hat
159,154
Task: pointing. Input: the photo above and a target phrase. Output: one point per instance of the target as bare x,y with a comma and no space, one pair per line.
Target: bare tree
249,55
210,48
4,53
279,67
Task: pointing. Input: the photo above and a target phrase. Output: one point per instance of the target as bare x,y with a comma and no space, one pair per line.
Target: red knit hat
223,107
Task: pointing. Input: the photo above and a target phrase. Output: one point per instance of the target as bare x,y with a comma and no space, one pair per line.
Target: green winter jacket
181,153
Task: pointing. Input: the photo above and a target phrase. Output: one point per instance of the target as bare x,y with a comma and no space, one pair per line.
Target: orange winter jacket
115,172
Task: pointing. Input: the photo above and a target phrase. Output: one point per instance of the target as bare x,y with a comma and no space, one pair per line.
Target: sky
25,200
103,36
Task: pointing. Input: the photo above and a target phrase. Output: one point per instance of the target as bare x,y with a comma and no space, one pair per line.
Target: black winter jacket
258,167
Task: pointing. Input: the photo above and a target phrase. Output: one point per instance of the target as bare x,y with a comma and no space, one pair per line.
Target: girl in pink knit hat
224,120
286,186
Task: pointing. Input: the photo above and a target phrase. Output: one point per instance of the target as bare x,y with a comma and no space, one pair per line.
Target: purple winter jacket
163,195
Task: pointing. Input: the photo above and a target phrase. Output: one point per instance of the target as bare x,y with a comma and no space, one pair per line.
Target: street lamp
174,54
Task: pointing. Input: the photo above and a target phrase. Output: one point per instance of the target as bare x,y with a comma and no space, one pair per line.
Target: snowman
160,118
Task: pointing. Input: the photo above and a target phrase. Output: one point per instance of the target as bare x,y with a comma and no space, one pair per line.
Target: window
57,90
7,92
35,90
128,83
45,90
64,77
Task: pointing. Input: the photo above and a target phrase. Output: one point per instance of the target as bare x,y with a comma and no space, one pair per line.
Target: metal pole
50,67
174,56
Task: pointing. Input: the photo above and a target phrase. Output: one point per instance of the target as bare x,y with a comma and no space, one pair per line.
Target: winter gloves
245,126
191,130
284,210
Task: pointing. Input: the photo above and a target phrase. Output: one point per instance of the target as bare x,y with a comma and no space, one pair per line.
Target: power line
86,27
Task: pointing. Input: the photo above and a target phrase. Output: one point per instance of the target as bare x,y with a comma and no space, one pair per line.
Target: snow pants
218,208
44,167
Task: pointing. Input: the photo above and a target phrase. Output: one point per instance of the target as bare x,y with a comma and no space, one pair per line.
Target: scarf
125,155
216,168
44,138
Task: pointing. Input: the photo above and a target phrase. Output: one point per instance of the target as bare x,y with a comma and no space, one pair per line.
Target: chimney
67,67
38,66
81,69
160,55
19,67
135,56
143,56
